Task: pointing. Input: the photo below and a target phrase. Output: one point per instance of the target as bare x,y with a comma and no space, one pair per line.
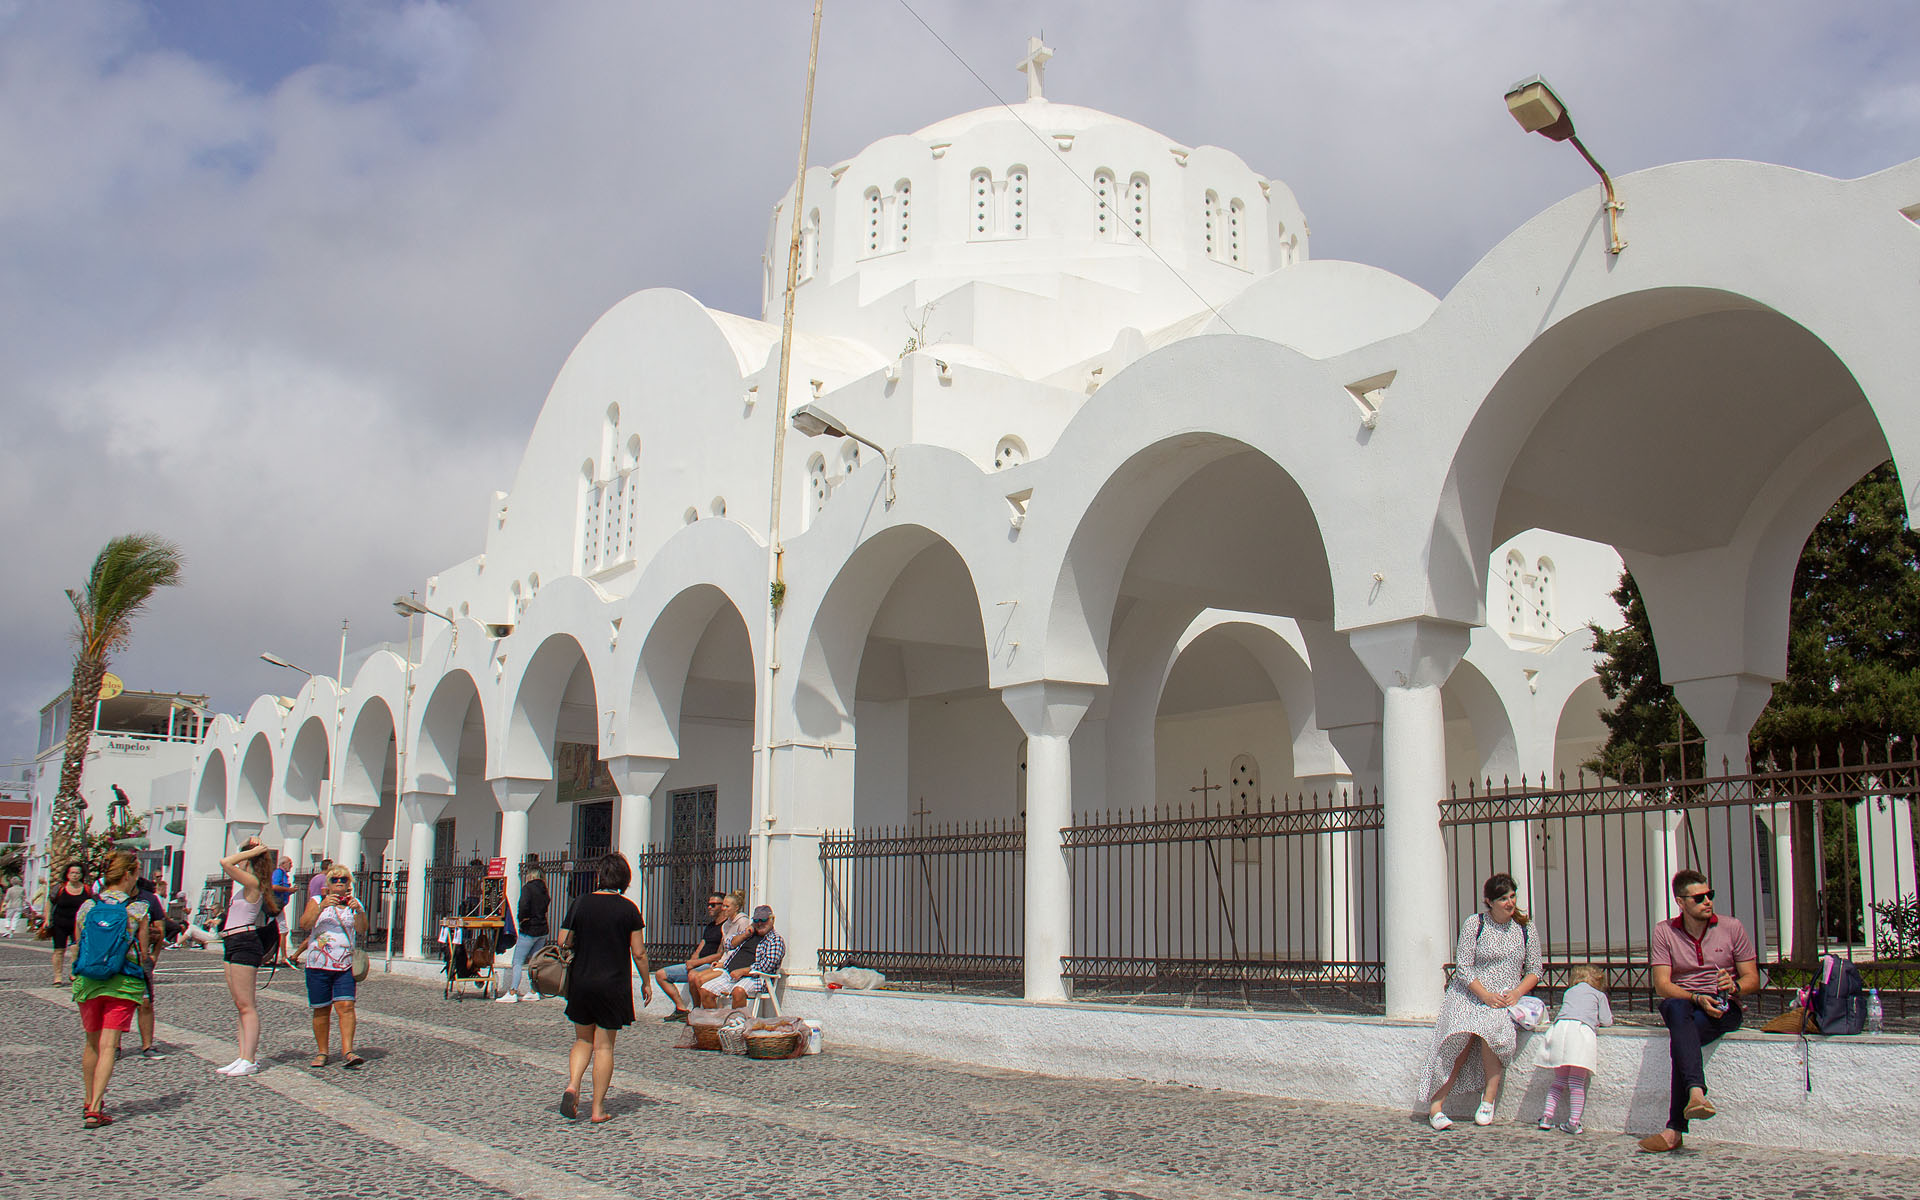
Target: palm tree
125,576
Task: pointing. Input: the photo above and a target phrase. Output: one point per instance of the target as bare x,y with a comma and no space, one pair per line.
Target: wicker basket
770,1044
706,1037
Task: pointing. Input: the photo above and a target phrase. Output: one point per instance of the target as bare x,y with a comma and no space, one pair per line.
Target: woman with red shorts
107,1005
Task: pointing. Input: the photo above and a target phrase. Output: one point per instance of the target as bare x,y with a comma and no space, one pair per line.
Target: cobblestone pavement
458,1100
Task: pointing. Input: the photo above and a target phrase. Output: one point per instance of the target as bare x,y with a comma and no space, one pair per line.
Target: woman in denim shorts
334,920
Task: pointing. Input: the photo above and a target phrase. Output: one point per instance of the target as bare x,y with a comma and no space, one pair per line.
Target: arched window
1243,799
818,485
1011,452
1516,602
1137,205
810,246
1211,226
999,207
1289,247
902,196
1235,211
873,221
1106,215
1543,596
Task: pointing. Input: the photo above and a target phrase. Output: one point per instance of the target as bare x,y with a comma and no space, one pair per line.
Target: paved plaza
458,1100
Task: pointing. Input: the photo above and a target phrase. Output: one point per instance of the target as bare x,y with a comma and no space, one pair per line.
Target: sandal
97,1117
319,1060
570,1105
354,1063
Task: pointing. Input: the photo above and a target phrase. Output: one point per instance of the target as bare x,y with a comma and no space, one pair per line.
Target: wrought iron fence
943,908
1272,909
370,888
673,890
1814,859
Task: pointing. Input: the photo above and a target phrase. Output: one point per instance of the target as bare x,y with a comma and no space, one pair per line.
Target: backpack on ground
105,941
1839,1000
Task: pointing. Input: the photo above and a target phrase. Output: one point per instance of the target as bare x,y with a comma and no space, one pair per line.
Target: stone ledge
1861,1099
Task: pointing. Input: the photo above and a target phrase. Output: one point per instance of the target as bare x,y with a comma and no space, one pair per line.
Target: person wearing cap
742,975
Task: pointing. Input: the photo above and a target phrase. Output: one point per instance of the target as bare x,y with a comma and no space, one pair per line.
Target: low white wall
1862,1098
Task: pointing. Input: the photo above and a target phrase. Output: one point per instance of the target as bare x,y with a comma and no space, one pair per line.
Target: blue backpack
104,942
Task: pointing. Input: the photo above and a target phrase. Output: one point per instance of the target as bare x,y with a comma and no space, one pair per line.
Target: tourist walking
534,930
1495,963
1570,1050
145,893
61,911
334,922
109,975
16,904
244,935
606,933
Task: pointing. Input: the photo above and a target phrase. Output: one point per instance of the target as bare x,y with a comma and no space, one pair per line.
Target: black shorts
243,948
62,937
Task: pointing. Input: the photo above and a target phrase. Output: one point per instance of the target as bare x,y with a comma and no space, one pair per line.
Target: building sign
129,746
580,775
496,868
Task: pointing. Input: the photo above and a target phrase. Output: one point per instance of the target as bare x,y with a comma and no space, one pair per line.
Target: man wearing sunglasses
1702,964
704,955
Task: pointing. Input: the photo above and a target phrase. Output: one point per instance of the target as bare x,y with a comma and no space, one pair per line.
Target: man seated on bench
706,954
756,959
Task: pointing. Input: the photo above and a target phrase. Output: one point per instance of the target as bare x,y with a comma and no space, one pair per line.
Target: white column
1048,713
1409,660
1335,939
515,795
637,776
293,829
350,822
423,809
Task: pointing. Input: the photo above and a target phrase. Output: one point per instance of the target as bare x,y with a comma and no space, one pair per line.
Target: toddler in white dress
1570,1048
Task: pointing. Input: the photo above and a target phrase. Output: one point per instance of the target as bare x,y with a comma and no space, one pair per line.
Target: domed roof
1045,116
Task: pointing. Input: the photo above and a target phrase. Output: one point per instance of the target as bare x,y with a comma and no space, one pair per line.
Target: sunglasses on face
1699,896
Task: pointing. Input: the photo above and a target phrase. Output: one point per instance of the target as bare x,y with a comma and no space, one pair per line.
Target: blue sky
257,253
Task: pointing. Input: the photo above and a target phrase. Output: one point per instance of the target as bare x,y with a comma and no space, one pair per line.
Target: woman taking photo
108,997
67,899
1495,964
334,921
605,931
248,913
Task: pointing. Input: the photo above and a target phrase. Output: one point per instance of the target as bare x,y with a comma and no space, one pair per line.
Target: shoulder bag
548,968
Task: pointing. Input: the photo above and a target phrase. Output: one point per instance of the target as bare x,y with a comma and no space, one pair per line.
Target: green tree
1852,689
128,571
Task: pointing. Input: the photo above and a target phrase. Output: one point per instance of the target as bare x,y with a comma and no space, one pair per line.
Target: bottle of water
1876,1016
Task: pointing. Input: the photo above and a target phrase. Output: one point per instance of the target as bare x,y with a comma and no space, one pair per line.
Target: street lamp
407,606
1534,105
277,661
815,421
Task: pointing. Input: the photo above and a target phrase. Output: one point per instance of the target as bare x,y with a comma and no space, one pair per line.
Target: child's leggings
1572,1081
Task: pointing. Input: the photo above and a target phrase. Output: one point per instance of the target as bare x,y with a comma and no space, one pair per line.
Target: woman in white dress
1496,962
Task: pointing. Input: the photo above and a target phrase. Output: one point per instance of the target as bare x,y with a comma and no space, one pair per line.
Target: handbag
548,968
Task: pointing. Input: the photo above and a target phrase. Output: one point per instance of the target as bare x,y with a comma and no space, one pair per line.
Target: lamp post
1538,110
815,421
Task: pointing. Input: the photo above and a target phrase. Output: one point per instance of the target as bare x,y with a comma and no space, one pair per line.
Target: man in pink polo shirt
1702,964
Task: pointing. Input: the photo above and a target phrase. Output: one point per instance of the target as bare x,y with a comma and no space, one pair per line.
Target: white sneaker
230,1067
245,1068
508,998
1484,1114
1440,1121
532,997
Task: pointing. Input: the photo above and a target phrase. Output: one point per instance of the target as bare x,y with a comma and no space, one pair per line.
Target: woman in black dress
61,909
604,930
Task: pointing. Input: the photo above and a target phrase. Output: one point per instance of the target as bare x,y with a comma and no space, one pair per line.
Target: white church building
1145,499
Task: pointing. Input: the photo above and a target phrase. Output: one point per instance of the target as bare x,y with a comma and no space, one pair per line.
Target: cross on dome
1038,52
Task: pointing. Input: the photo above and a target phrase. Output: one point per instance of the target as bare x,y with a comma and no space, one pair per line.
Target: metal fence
937,909
1273,909
674,884
1812,859
370,888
